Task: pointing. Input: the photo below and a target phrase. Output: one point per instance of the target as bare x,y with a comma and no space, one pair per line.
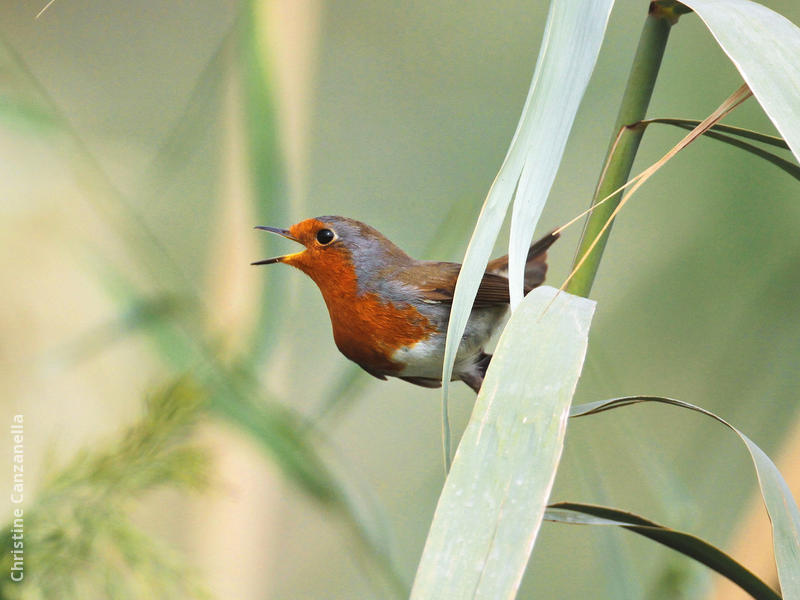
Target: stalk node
670,10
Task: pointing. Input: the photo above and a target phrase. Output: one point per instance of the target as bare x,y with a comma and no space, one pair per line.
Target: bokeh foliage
80,539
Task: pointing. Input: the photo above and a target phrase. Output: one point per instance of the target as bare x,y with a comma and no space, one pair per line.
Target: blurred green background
126,140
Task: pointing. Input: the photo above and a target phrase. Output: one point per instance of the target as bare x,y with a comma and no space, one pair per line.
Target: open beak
282,232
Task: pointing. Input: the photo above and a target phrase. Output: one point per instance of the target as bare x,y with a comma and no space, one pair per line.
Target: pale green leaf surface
495,496
781,506
765,48
572,37
572,41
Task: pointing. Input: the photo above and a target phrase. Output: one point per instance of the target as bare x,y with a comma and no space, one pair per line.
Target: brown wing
492,291
436,282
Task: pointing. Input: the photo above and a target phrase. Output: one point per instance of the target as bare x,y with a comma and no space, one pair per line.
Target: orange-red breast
389,312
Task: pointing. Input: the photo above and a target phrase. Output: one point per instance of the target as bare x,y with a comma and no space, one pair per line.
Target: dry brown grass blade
734,100
602,176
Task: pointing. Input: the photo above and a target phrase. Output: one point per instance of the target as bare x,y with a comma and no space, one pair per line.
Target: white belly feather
424,359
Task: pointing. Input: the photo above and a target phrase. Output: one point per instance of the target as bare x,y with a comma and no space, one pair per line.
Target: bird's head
336,250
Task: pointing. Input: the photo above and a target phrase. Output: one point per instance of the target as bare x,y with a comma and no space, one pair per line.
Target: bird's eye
325,236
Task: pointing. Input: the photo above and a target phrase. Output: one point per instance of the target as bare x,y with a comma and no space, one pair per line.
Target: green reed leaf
493,500
781,506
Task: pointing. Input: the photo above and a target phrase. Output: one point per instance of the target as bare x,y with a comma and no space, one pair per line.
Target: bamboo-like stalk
624,141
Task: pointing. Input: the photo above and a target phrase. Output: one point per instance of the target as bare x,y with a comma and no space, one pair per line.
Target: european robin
389,312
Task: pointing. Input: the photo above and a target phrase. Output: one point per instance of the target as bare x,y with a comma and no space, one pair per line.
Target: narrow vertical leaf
495,496
572,38
569,52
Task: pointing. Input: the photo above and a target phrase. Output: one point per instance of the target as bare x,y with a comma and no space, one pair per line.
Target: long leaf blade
690,124
579,24
685,543
565,65
781,506
764,46
715,133
494,498
784,165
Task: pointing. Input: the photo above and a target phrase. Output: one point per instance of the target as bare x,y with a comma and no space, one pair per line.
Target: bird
389,312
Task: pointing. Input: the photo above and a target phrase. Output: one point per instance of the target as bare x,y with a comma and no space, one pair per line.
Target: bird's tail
535,262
